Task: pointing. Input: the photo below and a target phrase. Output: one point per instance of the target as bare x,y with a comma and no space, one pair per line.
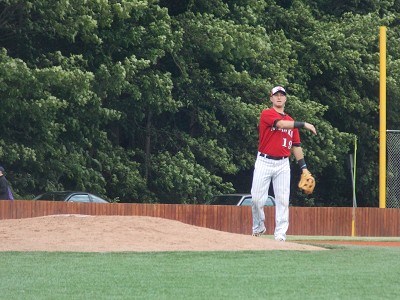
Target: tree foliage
158,101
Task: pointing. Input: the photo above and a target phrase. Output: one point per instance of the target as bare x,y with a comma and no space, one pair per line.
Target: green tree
340,57
159,100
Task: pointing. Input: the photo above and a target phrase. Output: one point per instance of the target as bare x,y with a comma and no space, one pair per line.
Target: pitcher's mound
82,233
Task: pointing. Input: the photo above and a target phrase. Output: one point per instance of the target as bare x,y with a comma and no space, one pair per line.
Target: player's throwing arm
307,181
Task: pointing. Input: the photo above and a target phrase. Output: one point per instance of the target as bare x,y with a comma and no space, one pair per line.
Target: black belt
273,157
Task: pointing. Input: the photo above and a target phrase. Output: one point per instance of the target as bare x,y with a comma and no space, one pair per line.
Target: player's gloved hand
307,182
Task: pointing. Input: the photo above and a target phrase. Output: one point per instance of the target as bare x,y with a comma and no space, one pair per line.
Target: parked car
239,200
70,196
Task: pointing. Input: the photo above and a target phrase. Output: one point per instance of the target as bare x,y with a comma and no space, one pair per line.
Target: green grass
295,238
344,272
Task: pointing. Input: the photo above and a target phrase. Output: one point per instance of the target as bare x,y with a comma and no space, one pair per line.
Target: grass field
343,272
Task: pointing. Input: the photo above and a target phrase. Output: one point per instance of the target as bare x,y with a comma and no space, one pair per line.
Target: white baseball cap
278,89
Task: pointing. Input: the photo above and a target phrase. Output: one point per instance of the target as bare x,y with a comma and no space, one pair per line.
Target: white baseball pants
265,171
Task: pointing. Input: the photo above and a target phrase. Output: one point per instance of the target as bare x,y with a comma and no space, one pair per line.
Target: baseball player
278,138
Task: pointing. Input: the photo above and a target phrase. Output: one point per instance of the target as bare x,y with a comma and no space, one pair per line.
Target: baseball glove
307,182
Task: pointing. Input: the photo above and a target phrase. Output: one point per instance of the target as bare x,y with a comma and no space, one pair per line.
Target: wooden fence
326,221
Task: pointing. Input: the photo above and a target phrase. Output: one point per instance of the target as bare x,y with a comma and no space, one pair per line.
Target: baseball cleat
259,233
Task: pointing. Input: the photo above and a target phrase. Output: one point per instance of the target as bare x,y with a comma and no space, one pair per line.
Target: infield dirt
82,233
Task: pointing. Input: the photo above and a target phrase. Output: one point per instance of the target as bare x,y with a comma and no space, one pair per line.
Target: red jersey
275,141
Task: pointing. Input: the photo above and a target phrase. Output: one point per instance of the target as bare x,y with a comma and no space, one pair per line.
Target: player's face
278,99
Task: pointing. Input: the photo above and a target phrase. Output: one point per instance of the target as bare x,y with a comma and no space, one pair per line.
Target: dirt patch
81,233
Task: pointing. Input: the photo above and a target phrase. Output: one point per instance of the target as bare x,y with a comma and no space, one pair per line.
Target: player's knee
257,201
283,201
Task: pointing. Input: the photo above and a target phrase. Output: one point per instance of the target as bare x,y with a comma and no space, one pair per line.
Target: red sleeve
296,138
269,117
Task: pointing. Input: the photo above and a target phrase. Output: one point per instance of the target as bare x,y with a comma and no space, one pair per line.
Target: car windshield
246,202
79,198
268,202
226,200
98,199
52,196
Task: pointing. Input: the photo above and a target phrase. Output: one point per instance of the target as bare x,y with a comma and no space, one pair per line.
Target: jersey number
285,144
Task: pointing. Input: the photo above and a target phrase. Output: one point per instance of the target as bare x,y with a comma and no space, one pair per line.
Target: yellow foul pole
382,118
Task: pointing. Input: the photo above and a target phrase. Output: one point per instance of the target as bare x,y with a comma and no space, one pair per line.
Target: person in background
5,190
